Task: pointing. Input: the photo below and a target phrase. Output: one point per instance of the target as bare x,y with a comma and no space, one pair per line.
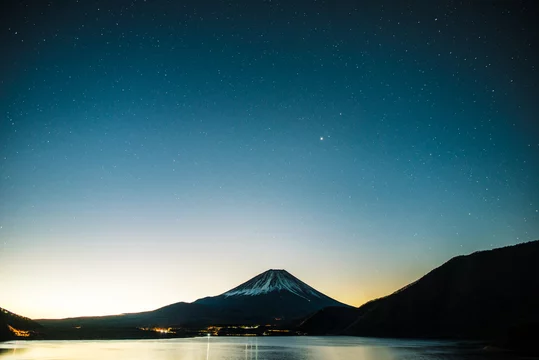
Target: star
321,138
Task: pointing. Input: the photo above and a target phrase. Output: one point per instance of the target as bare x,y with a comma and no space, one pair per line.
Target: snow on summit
275,280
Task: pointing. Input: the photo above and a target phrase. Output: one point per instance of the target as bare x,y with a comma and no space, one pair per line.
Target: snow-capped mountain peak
272,281
272,296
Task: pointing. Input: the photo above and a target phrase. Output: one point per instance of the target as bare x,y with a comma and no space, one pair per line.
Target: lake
258,348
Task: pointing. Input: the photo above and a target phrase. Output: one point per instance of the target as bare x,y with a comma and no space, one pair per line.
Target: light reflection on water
237,348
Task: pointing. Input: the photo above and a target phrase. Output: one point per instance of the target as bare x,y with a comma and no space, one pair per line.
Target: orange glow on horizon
85,292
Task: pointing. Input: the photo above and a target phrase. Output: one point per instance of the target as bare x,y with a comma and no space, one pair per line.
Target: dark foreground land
488,295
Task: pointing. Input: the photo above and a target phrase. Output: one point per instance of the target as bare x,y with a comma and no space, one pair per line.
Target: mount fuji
273,296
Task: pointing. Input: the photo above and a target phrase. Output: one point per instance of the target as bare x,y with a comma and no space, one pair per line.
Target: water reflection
248,348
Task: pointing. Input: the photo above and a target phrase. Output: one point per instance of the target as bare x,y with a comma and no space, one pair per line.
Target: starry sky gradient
161,151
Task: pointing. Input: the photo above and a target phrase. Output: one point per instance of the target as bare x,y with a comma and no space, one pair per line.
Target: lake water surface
259,348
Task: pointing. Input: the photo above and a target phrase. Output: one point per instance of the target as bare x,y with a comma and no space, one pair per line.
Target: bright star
321,138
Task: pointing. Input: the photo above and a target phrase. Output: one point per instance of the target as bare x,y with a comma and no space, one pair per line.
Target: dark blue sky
145,144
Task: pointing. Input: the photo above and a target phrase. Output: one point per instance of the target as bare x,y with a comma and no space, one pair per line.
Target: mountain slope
13,326
273,296
170,315
475,296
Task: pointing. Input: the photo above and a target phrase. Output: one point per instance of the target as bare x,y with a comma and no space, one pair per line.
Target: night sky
161,151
